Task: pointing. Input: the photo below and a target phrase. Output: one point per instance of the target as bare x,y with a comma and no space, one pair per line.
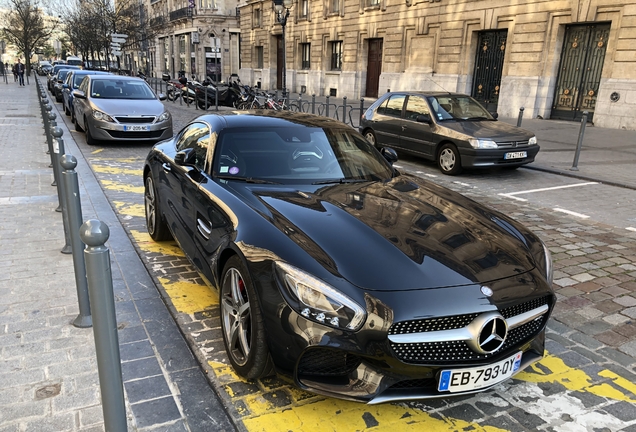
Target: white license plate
516,155
458,380
136,128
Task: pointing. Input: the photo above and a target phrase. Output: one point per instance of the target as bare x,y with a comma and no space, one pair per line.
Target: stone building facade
198,37
556,58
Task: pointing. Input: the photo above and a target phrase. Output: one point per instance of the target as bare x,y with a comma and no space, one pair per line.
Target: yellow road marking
576,379
147,244
121,187
97,151
114,170
188,297
130,209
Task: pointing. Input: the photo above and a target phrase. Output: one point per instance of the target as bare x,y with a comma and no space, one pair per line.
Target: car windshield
120,89
291,155
457,107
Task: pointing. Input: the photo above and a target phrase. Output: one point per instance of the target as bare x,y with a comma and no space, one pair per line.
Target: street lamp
282,12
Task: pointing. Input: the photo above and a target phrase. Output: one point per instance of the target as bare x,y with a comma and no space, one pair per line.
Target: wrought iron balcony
182,13
157,21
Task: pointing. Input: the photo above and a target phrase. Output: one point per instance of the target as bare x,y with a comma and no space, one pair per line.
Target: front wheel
449,160
242,322
89,137
156,225
170,95
370,136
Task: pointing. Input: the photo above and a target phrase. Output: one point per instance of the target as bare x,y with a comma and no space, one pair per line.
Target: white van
74,61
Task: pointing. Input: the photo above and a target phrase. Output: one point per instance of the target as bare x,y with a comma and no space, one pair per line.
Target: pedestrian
19,68
15,73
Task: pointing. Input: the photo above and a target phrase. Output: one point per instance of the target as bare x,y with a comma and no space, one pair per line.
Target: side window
416,105
393,106
84,85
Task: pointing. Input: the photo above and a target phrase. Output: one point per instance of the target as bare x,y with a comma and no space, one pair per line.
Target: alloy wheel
236,315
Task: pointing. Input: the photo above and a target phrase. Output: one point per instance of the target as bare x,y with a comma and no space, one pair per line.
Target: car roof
425,93
110,76
270,118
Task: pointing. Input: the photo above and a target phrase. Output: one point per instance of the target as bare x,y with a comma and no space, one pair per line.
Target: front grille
135,135
512,144
525,307
432,324
455,352
425,383
146,120
327,362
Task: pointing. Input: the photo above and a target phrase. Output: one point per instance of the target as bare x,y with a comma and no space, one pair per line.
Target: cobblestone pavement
585,383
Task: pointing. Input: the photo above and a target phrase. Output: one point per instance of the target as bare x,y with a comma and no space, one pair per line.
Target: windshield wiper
245,179
340,181
476,118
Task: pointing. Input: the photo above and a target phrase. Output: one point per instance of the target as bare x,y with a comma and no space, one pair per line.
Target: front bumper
482,158
108,131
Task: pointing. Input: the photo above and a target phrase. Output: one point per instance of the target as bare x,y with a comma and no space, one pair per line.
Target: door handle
204,229
166,167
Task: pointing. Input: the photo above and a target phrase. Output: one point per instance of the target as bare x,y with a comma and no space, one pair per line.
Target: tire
448,160
58,98
89,138
78,128
242,322
170,95
155,223
370,136
67,111
201,105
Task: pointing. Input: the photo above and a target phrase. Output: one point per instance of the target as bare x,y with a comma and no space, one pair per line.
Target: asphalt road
585,383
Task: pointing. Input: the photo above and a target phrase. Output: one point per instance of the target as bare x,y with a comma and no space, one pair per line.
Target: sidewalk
48,369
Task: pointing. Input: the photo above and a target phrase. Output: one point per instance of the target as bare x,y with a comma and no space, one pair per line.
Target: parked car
73,80
450,128
338,271
120,108
43,67
58,82
52,74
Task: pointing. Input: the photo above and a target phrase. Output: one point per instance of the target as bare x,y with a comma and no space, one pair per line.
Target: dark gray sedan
450,128
120,108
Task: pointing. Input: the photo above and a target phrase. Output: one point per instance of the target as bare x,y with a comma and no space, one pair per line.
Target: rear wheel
78,128
67,111
449,160
156,225
242,322
370,136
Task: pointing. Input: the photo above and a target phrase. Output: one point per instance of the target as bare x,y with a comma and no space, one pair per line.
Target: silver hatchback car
120,108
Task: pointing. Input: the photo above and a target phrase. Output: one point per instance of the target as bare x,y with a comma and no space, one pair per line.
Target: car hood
128,107
401,235
488,129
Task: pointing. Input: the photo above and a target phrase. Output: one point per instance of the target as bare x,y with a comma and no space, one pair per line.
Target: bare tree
24,27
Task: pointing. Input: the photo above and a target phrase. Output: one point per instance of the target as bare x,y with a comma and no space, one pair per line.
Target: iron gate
580,70
489,59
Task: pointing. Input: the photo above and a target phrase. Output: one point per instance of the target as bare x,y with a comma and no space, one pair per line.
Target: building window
182,53
207,4
303,10
257,18
259,57
334,6
166,54
305,51
372,3
336,55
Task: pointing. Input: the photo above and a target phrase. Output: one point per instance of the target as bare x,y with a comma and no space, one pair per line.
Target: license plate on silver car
136,128
458,380
516,155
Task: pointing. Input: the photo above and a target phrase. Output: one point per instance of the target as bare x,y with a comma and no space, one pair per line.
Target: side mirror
424,118
183,157
389,154
65,86
79,94
162,96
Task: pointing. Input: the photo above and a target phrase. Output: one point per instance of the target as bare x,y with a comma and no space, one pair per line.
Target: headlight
163,117
532,141
548,263
482,144
318,301
102,116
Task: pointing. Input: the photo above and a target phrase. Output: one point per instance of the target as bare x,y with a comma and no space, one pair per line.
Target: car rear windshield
120,89
298,155
457,107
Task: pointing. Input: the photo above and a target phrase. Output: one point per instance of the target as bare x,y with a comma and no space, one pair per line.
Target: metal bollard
520,116
300,102
58,152
344,109
52,125
47,130
216,99
361,108
206,99
579,144
313,104
327,110
74,211
94,234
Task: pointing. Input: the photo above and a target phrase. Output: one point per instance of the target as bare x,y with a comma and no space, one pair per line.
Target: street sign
116,53
119,35
119,40
115,45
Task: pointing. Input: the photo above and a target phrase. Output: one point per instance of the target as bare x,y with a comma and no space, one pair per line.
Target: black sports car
338,271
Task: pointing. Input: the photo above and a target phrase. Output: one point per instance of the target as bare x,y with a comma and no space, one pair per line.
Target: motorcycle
228,94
